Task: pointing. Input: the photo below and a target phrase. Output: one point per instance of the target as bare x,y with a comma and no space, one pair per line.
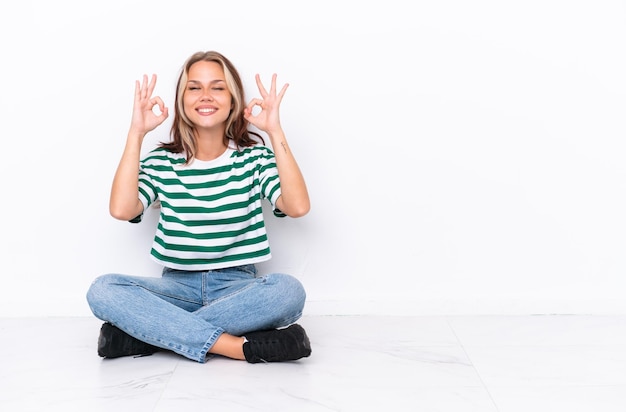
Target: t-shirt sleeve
147,190
269,180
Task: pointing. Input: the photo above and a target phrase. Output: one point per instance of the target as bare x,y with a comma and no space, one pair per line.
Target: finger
254,102
282,91
144,84
164,113
260,85
273,85
157,101
137,90
248,108
152,84
246,113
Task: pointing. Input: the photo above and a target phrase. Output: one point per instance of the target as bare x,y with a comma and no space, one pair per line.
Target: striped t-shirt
211,212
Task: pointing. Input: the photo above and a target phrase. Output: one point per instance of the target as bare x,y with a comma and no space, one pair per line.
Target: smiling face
207,102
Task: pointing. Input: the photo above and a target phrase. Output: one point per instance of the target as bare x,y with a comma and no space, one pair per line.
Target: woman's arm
294,199
124,203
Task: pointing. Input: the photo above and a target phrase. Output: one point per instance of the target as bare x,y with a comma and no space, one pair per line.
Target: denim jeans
186,312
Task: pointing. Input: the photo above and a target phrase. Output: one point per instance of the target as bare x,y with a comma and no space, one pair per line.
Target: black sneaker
277,345
114,343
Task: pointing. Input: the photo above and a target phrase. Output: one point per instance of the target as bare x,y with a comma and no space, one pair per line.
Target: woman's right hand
144,118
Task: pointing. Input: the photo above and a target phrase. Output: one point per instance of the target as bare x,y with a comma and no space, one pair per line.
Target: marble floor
359,363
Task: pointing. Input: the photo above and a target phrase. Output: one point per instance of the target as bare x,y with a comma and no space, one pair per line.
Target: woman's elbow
125,213
298,210
119,214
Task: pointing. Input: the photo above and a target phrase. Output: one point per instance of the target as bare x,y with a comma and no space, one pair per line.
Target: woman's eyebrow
211,82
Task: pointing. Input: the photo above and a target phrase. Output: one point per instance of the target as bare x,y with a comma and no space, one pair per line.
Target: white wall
462,157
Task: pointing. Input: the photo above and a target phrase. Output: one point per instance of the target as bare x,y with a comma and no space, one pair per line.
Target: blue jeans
186,312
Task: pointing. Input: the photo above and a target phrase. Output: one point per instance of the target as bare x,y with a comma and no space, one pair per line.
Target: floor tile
549,365
540,330
402,363
560,398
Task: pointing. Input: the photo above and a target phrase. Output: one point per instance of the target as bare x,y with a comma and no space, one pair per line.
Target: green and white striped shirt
211,212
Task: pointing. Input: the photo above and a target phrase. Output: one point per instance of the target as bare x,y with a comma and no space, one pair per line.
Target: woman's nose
206,95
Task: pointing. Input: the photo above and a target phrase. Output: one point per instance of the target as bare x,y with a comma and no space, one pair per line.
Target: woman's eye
194,88
218,88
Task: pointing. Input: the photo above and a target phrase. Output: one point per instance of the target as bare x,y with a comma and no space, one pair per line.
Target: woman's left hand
267,119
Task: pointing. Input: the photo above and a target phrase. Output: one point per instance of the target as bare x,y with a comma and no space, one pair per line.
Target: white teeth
206,110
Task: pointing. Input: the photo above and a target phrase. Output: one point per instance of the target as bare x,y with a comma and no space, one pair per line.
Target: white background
463,157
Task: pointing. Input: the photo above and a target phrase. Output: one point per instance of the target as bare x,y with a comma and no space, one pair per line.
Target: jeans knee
292,292
98,292
299,294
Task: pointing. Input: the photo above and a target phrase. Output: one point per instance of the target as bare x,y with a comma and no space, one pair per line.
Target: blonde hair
182,131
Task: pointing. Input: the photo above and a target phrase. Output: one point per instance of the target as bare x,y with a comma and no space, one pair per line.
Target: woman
210,181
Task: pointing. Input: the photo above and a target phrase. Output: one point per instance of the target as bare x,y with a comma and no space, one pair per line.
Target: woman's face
206,99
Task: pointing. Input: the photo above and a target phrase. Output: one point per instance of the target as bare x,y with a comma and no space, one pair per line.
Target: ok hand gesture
268,119
144,118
